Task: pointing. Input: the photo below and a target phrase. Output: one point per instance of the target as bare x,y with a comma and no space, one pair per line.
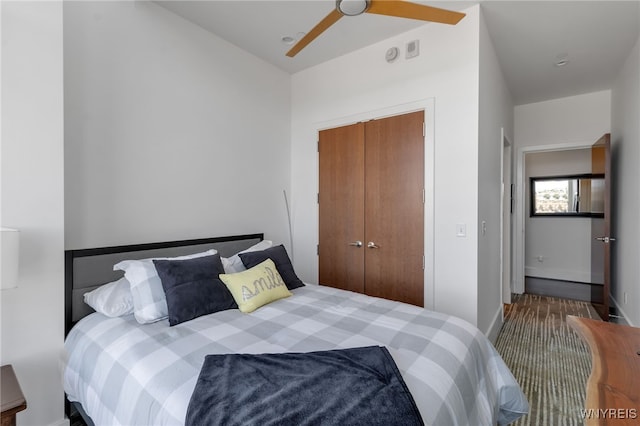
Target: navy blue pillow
281,259
192,287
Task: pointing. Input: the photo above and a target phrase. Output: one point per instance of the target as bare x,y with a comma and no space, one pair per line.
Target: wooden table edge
600,386
592,399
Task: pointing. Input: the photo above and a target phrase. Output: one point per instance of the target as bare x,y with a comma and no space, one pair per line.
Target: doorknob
372,245
356,243
605,240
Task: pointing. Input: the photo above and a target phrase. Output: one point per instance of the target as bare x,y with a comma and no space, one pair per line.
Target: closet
371,207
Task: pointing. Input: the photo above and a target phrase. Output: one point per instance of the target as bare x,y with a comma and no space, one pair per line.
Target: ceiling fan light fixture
352,7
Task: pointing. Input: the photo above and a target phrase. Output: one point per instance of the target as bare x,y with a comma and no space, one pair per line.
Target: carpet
547,358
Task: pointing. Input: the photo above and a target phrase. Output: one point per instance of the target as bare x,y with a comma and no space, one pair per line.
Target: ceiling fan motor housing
352,7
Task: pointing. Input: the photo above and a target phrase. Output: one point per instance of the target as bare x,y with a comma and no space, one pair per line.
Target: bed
119,371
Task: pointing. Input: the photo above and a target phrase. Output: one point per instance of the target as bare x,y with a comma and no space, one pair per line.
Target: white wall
558,124
32,194
170,131
564,243
625,147
576,119
362,84
495,114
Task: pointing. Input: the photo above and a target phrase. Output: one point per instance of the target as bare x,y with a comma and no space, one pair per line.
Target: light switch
461,230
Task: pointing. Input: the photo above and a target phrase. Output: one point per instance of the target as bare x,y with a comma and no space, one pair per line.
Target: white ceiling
529,36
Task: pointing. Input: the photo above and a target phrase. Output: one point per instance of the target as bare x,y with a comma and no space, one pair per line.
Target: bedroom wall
495,114
625,147
563,243
363,85
32,200
557,124
170,131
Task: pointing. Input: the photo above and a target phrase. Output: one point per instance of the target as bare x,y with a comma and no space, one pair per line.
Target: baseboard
563,289
621,311
63,422
495,327
558,274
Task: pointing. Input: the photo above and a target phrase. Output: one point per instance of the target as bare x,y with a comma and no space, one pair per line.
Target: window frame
578,177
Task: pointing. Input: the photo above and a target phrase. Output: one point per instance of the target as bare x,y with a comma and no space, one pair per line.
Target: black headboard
87,269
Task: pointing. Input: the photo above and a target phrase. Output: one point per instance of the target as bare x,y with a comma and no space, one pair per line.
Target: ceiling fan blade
405,9
328,20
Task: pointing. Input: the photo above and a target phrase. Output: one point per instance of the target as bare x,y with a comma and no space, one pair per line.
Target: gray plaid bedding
124,373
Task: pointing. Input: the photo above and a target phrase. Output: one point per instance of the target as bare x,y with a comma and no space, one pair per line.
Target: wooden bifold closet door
371,207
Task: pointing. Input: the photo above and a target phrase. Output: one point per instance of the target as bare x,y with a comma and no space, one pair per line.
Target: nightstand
12,399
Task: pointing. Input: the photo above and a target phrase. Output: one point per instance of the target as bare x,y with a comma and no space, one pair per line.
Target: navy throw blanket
359,386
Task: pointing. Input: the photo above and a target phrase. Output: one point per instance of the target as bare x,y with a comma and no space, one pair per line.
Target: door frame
428,106
519,236
603,308
506,219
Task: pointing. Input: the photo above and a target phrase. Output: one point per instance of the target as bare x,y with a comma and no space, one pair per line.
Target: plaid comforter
124,373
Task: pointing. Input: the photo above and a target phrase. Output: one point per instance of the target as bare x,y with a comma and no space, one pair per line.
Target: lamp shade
9,250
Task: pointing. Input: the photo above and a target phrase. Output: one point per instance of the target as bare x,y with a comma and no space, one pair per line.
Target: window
576,195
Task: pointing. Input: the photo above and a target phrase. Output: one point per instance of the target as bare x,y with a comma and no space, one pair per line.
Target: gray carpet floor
547,358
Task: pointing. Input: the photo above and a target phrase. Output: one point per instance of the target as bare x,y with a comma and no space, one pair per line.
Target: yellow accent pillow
256,286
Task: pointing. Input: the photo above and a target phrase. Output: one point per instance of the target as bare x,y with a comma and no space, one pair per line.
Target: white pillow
149,300
113,299
234,264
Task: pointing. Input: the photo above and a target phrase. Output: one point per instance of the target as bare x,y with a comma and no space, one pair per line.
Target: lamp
9,251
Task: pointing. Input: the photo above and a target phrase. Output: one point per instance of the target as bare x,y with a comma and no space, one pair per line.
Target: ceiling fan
399,8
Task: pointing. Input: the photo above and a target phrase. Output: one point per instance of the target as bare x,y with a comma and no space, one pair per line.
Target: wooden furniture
371,207
12,398
613,388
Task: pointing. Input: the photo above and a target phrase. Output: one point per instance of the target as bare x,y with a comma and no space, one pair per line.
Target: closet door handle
373,245
356,243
